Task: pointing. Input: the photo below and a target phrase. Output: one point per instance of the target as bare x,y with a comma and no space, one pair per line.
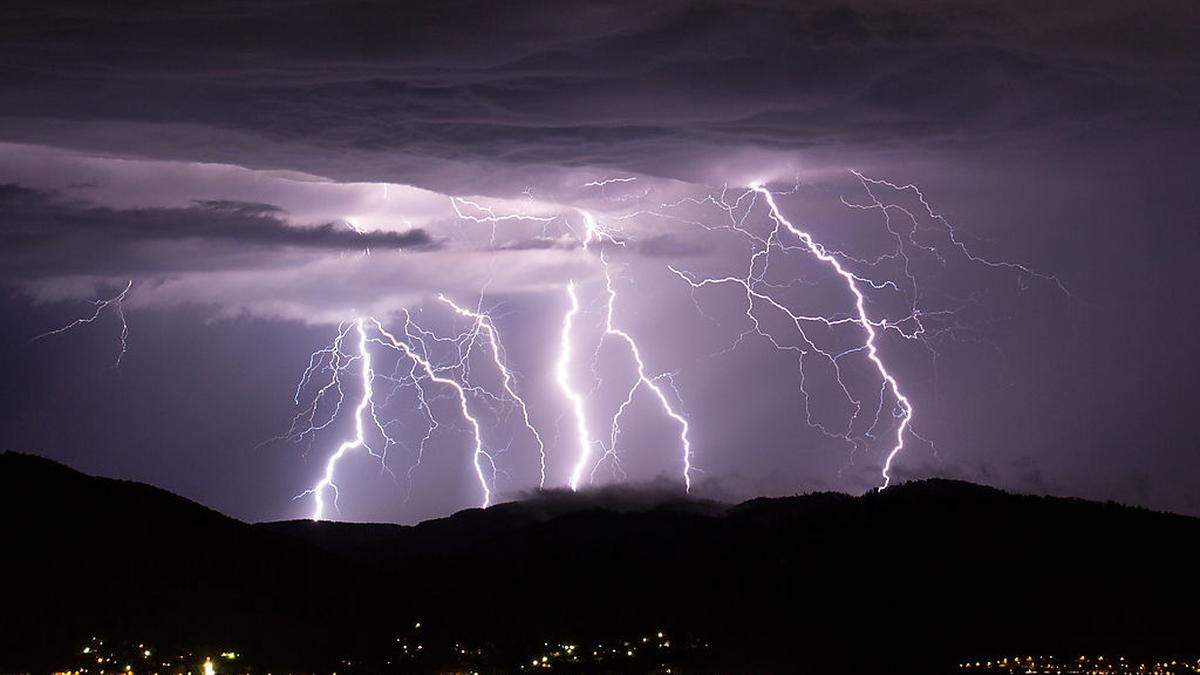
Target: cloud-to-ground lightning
484,323
359,438
643,380
833,338
592,233
562,375
478,453
595,233
872,349
912,326
115,303
368,331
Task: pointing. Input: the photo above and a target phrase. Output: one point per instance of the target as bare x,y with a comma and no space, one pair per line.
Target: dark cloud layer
43,234
658,89
1059,135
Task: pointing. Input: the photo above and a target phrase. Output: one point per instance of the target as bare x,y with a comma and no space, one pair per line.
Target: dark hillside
908,580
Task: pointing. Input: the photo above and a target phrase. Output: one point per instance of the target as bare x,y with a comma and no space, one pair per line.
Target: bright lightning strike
478,454
596,233
359,439
484,323
336,360
906,408
759,294
864,325
115,303
562,376
643,380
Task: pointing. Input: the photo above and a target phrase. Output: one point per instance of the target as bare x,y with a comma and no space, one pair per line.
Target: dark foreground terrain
911,580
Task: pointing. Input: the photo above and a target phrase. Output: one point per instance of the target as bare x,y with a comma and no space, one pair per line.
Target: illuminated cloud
307,163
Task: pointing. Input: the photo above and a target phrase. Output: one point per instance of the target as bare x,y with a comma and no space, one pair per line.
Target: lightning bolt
912,326
484,323
359,439
603,182
370,331
478,454
951,232
596,233
643,380
574,398
487,215
872,350
856,276
603,185
115,303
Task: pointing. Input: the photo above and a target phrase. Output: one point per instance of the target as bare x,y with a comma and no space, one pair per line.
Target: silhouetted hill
903,581
83,555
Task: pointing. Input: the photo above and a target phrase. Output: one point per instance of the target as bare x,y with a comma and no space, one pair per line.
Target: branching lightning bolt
370,331
574,398
488,215
483,322
359,439
595,233
951,232
478,454
642,380
115,303
852,282
910,327
858,276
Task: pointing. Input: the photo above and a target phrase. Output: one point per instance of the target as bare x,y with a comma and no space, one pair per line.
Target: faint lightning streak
859,303
952,233
101,305
610,181
490,216
484,322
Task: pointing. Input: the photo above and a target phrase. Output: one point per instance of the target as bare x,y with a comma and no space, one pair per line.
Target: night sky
263,171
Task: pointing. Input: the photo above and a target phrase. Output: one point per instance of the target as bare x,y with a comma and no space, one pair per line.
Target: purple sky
238,161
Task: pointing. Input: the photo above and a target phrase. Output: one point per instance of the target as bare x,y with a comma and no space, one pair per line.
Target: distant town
1081,665
654,651
651,651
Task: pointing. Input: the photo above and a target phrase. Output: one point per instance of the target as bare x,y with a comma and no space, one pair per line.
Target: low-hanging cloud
42,234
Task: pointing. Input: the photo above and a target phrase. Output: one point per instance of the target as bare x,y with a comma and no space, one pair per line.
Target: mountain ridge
829,581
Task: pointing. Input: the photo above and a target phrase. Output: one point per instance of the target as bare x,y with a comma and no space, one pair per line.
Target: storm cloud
43,235
287,165
446,95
